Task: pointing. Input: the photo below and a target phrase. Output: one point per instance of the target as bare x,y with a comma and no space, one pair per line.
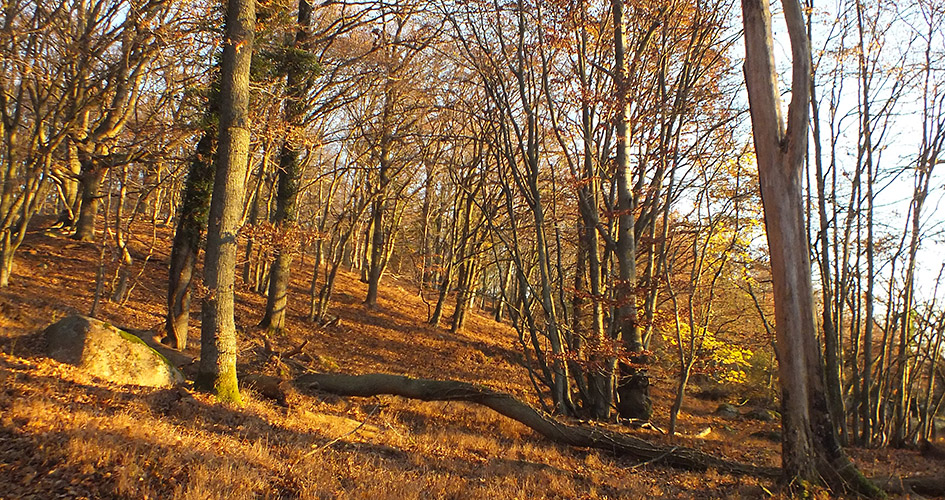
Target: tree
217,372
286,212
811,451
195,203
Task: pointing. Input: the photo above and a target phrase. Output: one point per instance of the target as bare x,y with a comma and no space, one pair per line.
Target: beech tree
811,451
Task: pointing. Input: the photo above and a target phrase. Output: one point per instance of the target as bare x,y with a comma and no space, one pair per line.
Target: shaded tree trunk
289,172
195,203
90,183
633,385
376,251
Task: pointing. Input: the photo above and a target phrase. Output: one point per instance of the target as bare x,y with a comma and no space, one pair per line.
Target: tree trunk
633,385
90,183
289,173
810,452
7,249
376,250
502,299
217,371
832,359
71,198
195,203
504,404
468,275
441,296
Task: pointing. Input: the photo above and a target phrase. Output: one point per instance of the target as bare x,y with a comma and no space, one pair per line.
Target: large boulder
108,352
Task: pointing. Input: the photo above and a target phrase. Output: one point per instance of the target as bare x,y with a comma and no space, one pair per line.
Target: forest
629,235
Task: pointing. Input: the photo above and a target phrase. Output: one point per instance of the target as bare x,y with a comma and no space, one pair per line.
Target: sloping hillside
65,433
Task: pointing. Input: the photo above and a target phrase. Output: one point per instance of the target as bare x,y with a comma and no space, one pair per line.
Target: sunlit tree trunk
811,452
217,371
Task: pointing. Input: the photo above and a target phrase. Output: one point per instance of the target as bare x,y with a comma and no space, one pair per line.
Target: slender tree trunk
125,261
502,299
425,250
289,173
831,332
444,291
71,198
217,371
7,249
195,203
469,272
376,251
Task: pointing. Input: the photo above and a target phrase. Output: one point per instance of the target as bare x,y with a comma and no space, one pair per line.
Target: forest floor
65,434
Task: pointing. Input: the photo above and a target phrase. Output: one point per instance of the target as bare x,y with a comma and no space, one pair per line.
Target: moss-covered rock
108,352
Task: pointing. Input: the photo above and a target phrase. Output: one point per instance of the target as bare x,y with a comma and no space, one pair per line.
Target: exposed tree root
541,422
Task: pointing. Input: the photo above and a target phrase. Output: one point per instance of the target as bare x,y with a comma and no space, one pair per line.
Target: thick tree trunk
633,385
811,452
217,370
195,203
90,183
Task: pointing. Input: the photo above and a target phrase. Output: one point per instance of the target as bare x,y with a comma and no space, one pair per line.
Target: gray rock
726,410
108,352
770,435
763,415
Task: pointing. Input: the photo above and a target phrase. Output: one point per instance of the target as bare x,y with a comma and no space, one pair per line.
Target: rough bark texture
195,203
289,173
218,332
811,452
90,183
573,435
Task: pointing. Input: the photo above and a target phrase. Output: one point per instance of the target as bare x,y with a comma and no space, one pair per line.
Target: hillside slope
65,433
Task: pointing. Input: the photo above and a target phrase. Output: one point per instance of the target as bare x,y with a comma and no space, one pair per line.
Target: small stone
726,410
763,415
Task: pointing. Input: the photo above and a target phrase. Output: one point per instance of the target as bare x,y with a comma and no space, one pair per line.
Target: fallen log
915,486
573,435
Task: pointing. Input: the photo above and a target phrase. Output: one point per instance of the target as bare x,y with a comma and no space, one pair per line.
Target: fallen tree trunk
539,421
932,485
376,384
